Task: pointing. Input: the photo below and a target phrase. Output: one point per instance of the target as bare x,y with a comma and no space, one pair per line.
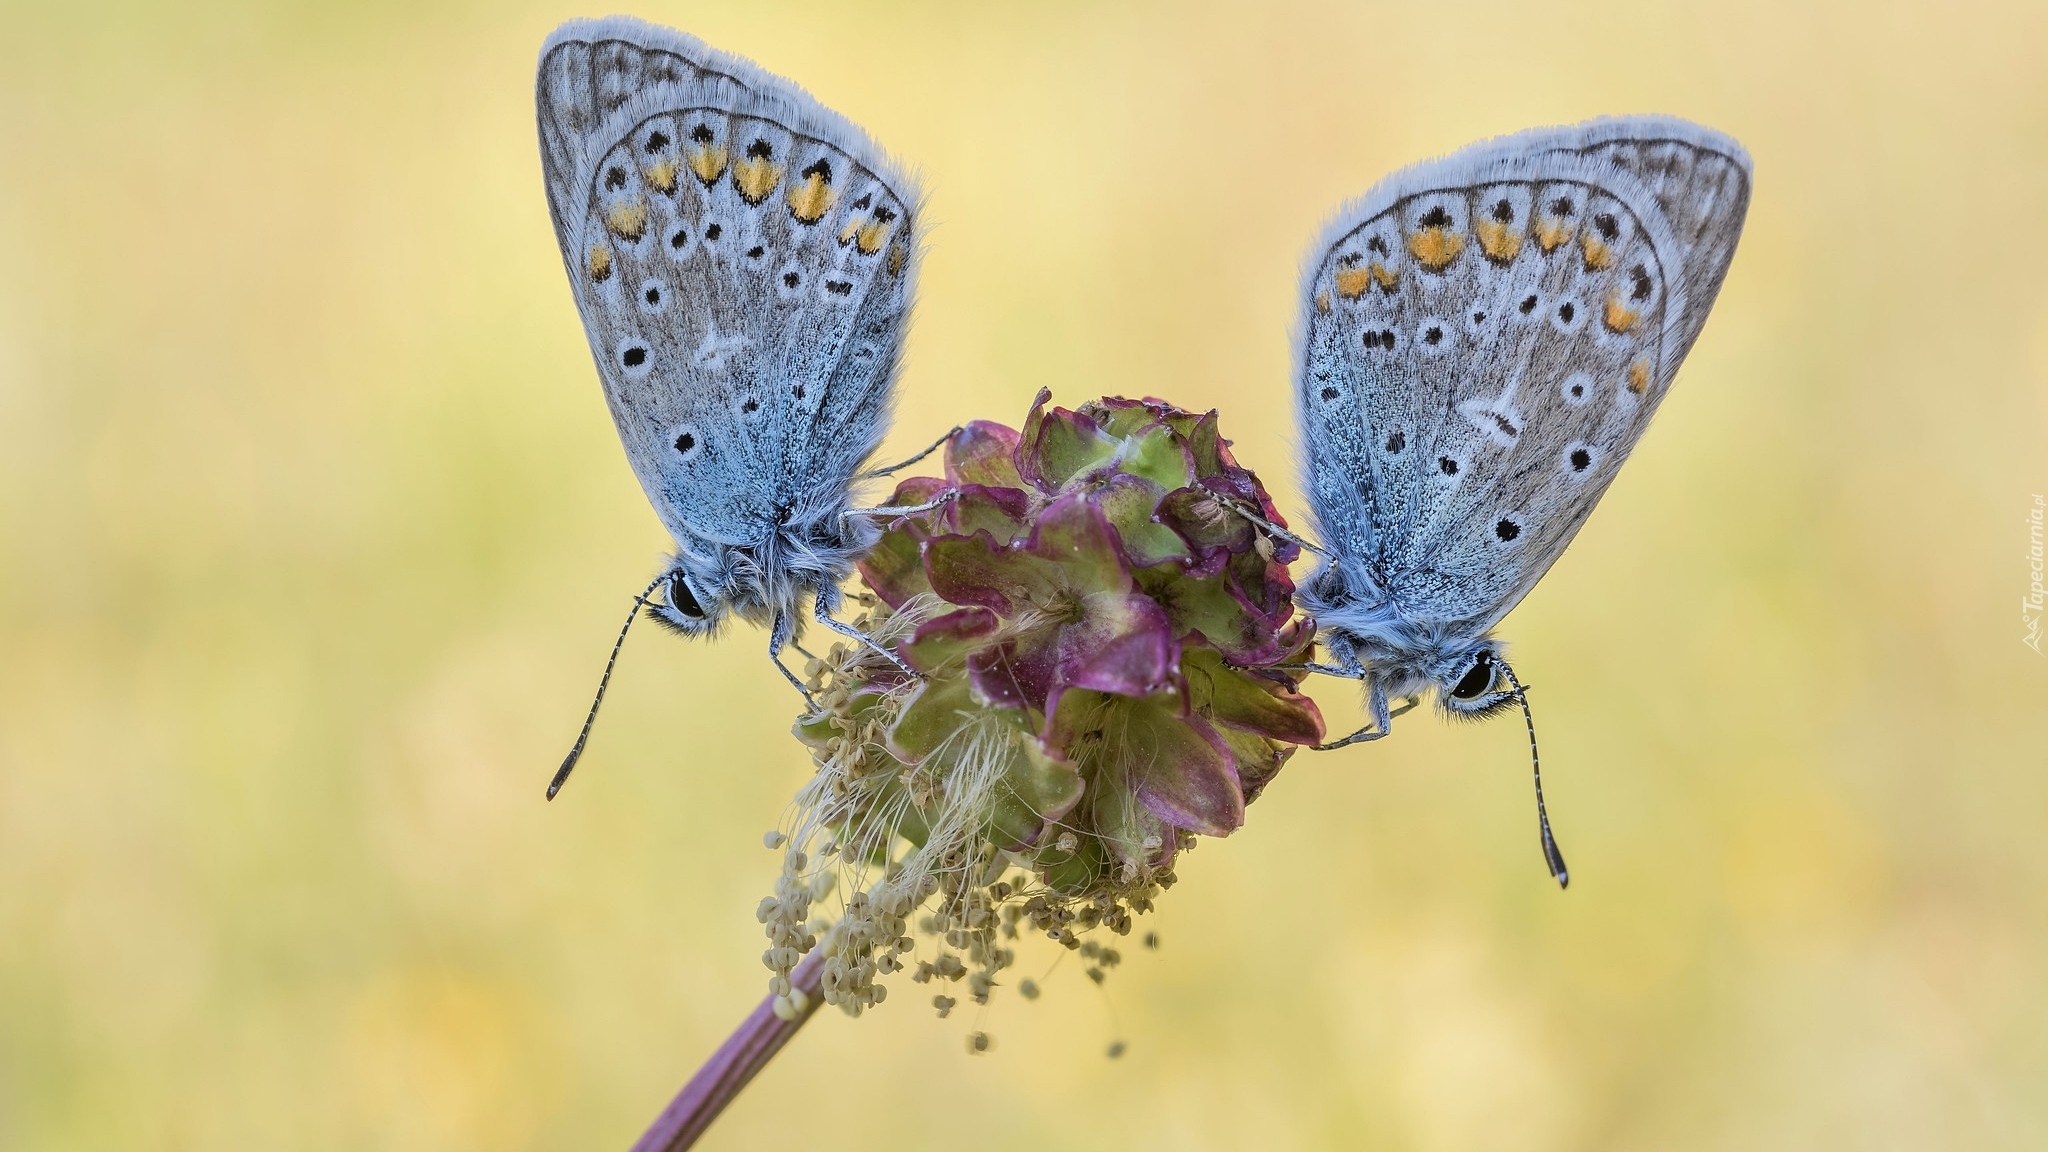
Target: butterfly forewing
1486,337
1700,182
742,258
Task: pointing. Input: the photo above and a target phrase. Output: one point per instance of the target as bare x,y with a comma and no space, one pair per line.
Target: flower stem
733,1066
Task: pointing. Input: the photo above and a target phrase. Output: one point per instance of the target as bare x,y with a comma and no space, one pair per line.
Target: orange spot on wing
755,177
898,257
1323,303
661,176
1551,233
1639,377
1353,281
1435,247
870,236
1619,318
599,263
1501,242
1384,276
627,218
1598,255
708,163
810,200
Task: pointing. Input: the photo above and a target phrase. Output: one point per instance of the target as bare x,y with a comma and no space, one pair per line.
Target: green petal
1247,702
936,710
1123,821
1060,445
1258,759
1072,534
980,571
1120,417
1156,454
946,640
1205,444
1036,790
1128,503
1073,873
1172,761
1001,512
1207,607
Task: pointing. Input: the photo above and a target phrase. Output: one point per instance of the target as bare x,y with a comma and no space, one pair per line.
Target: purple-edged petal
1258,760
1072,534
977,570
1128,503
1187,776
943,639
1173,762
1122,645
1210,451
1249,703
984,452
1211,608
894,567
1120,417
1265,584
1242,488
1204,522
1001,512
1014,675
1059,446
1178,766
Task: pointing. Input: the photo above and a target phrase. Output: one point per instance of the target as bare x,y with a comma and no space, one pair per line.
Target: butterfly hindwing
1486,337
743,261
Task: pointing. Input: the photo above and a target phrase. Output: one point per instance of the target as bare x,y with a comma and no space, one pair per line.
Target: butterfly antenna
1551,855
603,682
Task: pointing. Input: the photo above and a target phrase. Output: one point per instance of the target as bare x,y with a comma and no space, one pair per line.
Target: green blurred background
313,531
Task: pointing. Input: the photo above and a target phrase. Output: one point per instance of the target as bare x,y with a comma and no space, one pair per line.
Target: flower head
1106,666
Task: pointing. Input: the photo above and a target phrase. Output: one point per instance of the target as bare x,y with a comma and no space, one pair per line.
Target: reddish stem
733,1066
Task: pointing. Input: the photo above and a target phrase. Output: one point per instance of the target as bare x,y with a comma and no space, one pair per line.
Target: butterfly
743,261
1484,338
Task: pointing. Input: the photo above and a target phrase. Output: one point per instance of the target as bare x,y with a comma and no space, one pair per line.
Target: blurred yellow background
314,530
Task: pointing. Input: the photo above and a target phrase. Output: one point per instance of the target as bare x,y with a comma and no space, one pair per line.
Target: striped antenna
603,682
1551,856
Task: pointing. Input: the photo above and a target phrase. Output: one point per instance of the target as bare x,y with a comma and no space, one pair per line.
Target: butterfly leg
1271,528
887,511
1382,720
935,446
1347,666
823,612
778,636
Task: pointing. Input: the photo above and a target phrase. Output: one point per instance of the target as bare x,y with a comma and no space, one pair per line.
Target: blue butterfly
743,260
1484,339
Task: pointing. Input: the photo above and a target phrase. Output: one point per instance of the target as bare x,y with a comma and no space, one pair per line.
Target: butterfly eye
682,599
1477,679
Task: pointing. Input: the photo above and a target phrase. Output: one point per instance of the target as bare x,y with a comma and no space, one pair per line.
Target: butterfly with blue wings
1484,339
743,260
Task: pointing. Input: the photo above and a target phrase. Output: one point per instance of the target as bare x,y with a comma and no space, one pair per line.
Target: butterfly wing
1485,338
742,258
